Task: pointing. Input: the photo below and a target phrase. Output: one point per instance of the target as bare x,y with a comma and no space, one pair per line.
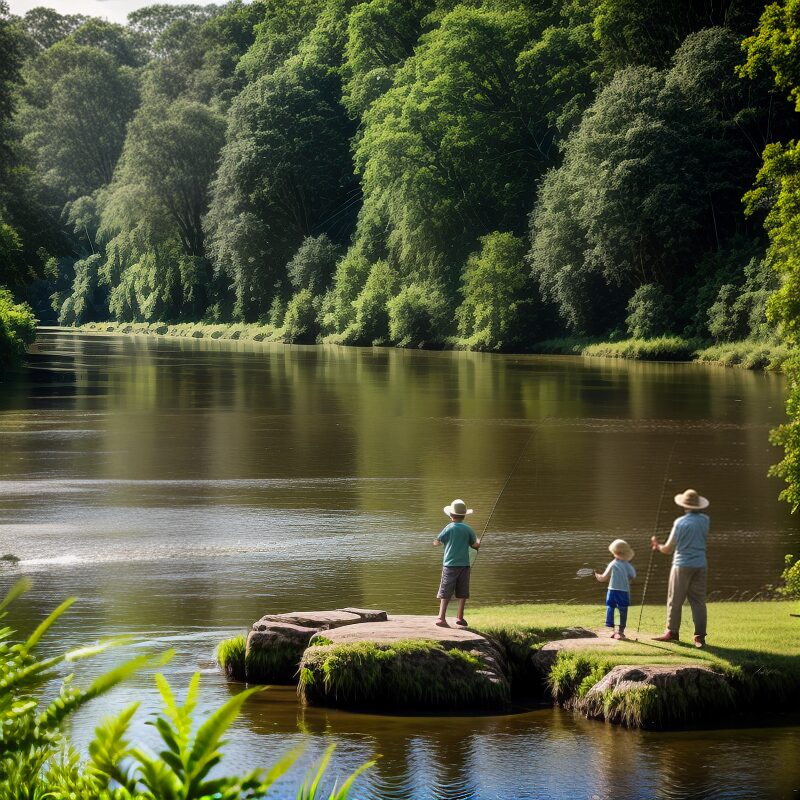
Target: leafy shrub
650,312
313,265
37,761
371,322
788,437
300,323
496,286
89,300
417,315
17,328
277,312
740,310
791,577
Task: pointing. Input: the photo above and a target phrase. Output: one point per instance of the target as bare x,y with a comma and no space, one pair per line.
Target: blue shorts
617,599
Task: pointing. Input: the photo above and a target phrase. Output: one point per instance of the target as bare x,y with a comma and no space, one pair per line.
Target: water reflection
182,488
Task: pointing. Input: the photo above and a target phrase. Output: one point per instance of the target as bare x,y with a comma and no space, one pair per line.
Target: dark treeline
492,172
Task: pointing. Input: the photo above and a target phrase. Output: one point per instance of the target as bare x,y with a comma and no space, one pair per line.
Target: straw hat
457,508
621,550
691,500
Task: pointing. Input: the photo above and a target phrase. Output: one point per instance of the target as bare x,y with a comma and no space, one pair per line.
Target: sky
114,10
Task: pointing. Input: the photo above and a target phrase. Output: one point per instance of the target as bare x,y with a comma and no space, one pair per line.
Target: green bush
313,265
787,436
418,315
371,323
496,288
37,760
17,328
300,323
650,312
89,300
791,577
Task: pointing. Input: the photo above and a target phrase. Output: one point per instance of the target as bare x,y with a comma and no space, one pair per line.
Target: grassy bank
753,653
748,354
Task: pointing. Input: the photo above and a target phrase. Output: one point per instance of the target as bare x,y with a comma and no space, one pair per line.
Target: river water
182,488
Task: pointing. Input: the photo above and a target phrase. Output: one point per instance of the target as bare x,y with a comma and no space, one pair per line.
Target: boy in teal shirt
457,538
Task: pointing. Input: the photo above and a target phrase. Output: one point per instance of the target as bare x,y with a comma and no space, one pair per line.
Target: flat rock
367,614
320,620
406,626
283,630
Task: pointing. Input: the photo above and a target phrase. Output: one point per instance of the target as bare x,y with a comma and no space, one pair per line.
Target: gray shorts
454,579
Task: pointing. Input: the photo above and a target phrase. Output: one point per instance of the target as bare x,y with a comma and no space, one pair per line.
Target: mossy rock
197,334
216,334
658,697
161,330
401,676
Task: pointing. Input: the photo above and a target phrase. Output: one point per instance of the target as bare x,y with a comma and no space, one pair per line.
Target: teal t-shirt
456,538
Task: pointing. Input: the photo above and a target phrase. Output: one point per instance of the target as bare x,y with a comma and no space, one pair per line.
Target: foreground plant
37,761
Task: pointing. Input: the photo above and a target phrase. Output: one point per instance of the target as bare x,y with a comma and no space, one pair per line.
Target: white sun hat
457,508
691,500
621,550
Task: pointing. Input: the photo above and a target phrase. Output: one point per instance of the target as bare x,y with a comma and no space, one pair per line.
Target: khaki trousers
687,583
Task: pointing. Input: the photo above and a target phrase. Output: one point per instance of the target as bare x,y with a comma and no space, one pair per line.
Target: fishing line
474,553
655,533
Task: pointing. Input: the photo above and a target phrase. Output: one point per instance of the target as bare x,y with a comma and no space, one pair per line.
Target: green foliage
36,760
617,212
788,437
573,674
791,577
497,292
748,354
314,263
650,312
402,675
300,322
230,656
17,328
371,316
663,348
419,315
89,300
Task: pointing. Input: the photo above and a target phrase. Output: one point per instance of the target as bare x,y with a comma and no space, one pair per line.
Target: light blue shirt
456,538
688,538
622,573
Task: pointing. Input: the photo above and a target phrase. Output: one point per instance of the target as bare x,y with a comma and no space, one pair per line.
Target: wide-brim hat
458,508
691,500
621,549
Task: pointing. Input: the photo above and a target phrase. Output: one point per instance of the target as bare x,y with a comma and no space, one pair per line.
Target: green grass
663,348
748,354
190,330
230,656
400,676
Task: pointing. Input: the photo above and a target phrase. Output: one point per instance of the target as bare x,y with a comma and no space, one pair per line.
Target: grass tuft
748,354
231,657
399,676
662,348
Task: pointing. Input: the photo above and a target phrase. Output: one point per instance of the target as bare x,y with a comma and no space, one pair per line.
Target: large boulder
658,696
404,663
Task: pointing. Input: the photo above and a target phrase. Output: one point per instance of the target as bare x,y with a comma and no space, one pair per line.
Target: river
182,488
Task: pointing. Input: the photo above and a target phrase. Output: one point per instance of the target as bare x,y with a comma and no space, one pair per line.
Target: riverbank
748,354
537,653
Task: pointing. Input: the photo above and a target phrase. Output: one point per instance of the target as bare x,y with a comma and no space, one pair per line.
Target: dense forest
481,173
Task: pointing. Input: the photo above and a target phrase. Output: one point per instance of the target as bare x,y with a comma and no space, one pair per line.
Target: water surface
181,489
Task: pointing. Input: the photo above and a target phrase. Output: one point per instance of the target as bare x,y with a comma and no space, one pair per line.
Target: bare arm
668,546
603,577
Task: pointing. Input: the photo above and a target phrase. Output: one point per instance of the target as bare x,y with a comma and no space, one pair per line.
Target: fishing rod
655,533
473,554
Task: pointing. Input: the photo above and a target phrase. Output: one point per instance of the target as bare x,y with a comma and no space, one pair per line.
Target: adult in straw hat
687,578
457,538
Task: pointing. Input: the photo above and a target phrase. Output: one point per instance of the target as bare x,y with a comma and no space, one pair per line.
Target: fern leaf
45,625
19,588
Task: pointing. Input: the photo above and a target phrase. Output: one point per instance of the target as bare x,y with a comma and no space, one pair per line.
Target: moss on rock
402,675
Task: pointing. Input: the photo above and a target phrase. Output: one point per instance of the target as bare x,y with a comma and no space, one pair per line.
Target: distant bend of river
183,488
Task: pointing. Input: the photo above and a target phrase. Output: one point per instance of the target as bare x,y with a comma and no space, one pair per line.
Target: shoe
699,641
462,623
616,635
669,636
441,623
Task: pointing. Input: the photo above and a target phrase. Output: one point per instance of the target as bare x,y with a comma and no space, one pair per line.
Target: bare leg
461,603
442,611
